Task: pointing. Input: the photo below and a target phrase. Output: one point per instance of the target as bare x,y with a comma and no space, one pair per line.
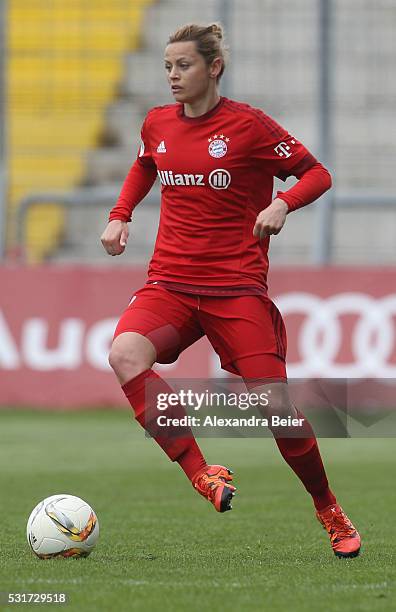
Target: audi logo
320,338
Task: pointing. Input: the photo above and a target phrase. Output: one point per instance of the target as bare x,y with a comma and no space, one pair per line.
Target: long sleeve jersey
217,173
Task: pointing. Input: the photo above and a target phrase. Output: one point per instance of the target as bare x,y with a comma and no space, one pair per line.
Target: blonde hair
209,41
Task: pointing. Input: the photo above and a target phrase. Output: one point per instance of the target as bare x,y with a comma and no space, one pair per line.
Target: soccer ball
62,526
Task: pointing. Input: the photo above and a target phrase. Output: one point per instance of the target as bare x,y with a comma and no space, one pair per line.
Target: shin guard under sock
303,456
142,393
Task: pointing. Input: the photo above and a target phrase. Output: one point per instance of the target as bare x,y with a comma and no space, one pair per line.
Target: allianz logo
217,179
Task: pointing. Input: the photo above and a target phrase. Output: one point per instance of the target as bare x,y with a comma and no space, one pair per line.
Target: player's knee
283,410
127,364
279,403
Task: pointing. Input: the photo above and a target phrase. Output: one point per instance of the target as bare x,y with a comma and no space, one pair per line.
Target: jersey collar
213,111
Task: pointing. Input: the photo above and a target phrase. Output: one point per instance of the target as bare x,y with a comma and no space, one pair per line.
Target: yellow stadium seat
64,65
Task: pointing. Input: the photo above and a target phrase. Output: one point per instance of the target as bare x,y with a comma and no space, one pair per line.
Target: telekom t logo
283,149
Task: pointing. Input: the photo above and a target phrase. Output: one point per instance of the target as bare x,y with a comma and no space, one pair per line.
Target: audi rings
321,337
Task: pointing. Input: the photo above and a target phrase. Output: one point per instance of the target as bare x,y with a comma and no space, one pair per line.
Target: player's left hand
271,219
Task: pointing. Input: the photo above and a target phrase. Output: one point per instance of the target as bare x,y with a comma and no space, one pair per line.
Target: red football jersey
216,174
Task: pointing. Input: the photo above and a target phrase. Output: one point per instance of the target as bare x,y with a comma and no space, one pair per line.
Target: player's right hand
115,237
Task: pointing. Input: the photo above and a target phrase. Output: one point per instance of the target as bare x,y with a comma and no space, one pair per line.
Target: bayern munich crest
218,145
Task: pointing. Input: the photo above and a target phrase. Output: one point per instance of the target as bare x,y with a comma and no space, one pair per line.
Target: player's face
187,72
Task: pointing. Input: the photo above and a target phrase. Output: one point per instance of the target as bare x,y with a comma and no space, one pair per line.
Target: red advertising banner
56,327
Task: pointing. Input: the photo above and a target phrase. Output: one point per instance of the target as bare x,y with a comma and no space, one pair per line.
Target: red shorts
247,332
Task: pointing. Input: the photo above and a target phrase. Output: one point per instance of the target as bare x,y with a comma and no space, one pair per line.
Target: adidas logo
161,147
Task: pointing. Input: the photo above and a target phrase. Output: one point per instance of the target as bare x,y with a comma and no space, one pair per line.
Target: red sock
141,392
303,456
191,460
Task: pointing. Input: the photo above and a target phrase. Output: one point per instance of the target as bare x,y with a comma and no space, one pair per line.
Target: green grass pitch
163,547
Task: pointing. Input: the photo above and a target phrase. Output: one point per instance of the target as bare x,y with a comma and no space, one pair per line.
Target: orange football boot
212,482
344,538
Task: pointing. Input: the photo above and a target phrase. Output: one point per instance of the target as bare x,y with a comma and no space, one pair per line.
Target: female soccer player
216,160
